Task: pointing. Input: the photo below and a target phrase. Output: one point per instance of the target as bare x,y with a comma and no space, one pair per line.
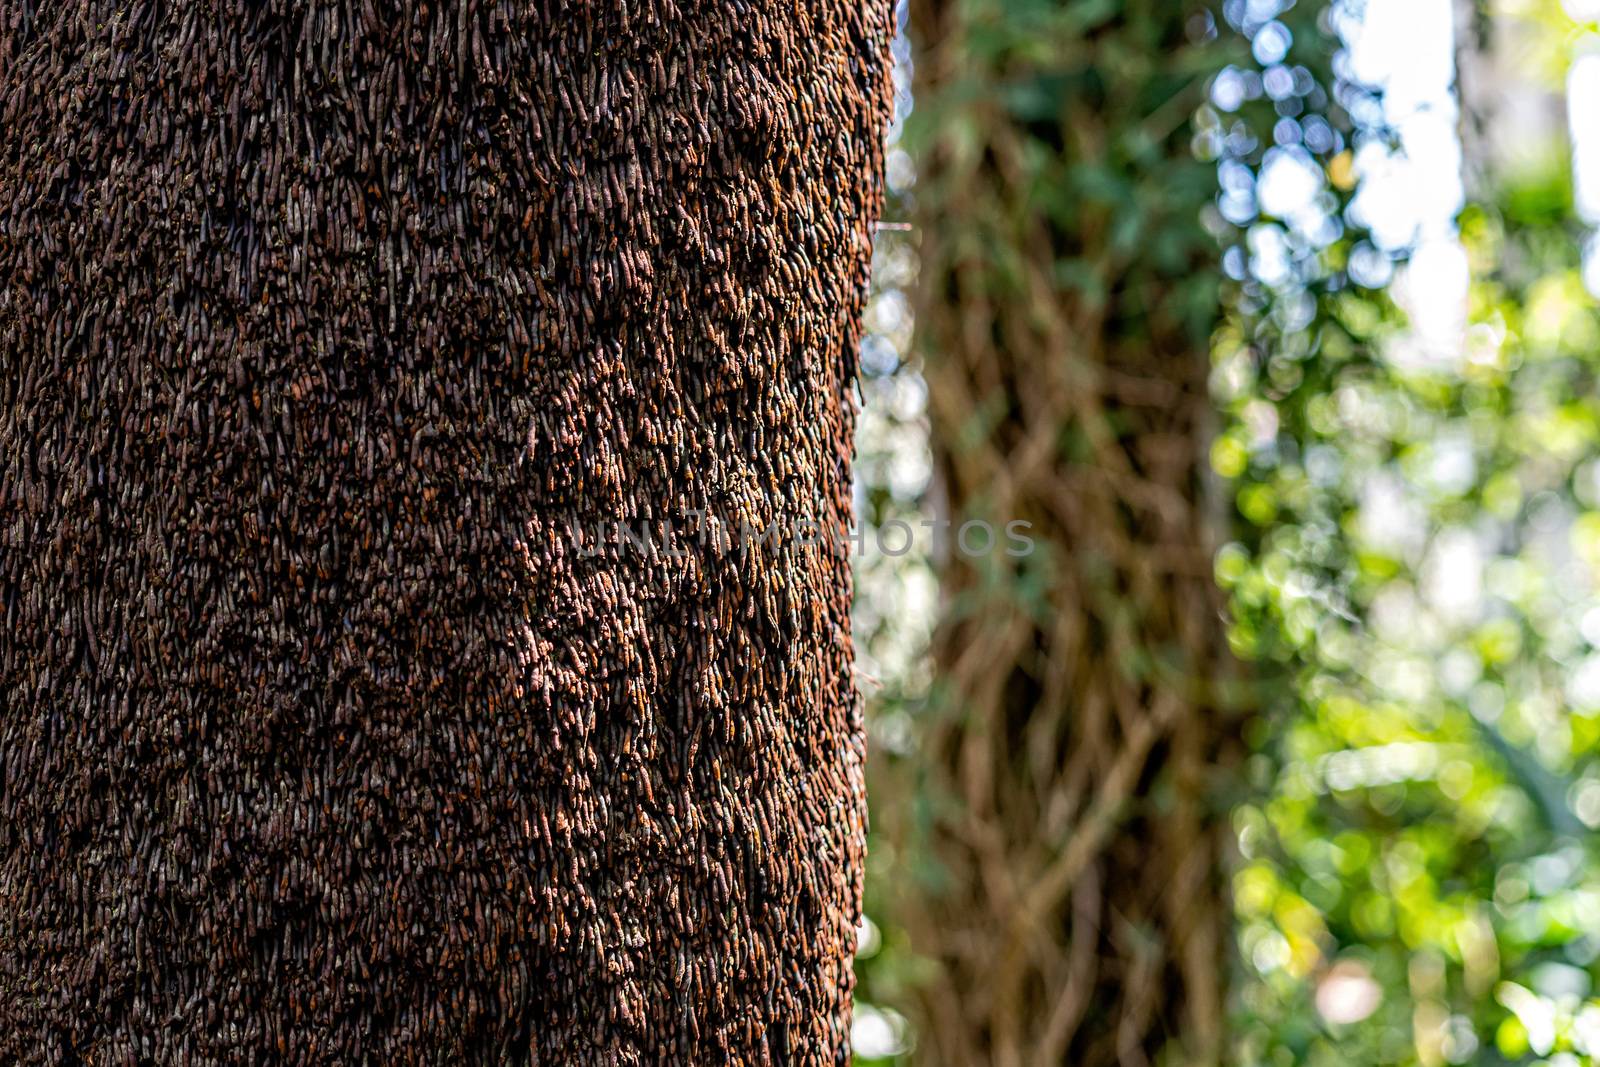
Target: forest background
1397,201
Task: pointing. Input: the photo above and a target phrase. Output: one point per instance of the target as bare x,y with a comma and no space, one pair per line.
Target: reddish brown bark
321,325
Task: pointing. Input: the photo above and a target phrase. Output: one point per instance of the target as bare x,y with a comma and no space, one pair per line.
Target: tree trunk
335,335
1067,293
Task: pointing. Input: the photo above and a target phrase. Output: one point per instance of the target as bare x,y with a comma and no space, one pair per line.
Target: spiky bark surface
1064,314
322,324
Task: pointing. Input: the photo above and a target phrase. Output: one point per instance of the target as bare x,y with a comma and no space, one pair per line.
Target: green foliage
1415,580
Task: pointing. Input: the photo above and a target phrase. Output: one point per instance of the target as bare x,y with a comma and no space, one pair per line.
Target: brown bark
322,325
1077,727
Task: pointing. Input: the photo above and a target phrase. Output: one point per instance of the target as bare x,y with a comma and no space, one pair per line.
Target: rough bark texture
1063,319
322,326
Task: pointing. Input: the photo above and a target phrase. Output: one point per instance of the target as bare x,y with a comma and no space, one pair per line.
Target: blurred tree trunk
1510,122
1067,295
327,331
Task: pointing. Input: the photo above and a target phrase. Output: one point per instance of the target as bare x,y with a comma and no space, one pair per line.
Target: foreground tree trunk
331,336
1067,297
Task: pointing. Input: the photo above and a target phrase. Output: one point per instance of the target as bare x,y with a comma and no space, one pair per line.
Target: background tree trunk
324,328
1067,295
